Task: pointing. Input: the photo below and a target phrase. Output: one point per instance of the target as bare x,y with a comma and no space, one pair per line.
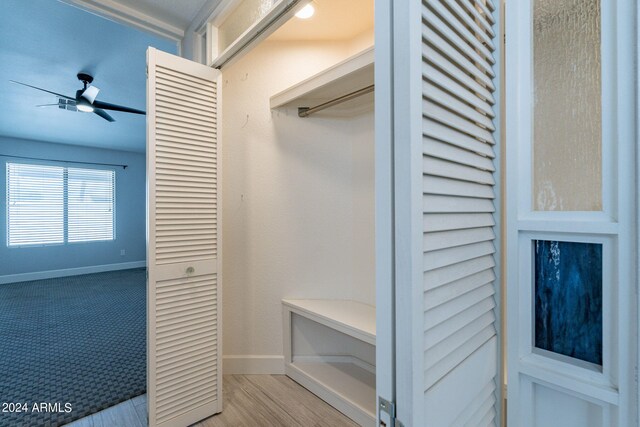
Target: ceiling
333,20
178,13
45,43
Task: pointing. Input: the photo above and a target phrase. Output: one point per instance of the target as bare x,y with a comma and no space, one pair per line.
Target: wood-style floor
249,401
131,413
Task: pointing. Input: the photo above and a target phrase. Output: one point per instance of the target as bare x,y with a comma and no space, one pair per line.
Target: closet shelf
343,380
347,88
352,318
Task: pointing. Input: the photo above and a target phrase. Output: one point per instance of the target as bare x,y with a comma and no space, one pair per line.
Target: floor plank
82,422
139,400
141,411
272,400
121,415
249,401
250,407
298,401
96,419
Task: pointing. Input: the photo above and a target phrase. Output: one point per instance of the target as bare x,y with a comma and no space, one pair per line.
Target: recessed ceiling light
306,12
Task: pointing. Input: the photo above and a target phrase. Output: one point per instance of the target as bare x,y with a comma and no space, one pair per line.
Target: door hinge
390,409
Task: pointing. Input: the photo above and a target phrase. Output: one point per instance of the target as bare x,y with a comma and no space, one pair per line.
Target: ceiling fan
85,100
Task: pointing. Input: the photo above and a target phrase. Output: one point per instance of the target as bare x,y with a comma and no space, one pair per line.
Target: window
54,204
35,204
89,204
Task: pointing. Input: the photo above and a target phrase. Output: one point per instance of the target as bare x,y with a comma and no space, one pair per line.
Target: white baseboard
50,274
253,364
337,359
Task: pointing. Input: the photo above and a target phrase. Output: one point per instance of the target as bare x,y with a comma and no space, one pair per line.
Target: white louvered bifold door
460,344
184,383
457,348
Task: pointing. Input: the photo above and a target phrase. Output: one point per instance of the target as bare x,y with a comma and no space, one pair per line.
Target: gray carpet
78,340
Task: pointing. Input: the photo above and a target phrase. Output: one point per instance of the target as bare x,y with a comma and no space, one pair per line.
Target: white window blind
90,204
53,204
35,204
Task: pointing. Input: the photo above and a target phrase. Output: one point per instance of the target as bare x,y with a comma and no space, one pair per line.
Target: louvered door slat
184,90
455,39
476,409
469,36
440,203
168,135
435,297
476,27
462,70
169,74
445,186
487,6
454,357
478,17
171,98
450,83
437,352
451,153
443,168
459,221
436,94
443,133
458,206
456,314
184,120
445,275
436,111
460,75
452,238
184,380
454,255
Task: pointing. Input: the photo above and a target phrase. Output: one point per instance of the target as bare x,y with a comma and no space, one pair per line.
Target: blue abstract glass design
568,299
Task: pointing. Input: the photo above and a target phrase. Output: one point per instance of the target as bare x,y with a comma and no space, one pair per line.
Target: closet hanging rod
64,161
307,111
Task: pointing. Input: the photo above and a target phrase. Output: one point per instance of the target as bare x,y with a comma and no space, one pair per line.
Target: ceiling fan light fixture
85,100
306,12
85,108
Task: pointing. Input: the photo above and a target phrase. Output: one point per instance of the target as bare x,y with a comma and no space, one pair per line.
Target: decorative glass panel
567,122
568,299
247,13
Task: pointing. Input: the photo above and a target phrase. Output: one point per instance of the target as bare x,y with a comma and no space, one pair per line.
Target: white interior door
445,122
571,213
184,381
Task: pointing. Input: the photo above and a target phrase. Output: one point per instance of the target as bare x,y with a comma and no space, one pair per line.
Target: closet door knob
190,271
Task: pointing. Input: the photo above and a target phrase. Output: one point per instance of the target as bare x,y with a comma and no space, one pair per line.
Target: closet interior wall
299,199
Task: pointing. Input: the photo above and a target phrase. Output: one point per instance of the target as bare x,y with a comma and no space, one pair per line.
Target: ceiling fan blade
90,93
44,90
48,105
114,107
104,115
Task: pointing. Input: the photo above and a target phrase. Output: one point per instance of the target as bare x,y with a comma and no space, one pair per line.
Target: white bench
345,381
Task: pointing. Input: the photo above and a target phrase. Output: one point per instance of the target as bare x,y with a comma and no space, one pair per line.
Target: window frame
65,204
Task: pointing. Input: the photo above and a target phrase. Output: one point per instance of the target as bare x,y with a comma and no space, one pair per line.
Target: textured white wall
298,217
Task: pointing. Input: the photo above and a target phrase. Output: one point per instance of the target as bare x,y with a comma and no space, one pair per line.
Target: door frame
406,144
384,180
384,207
